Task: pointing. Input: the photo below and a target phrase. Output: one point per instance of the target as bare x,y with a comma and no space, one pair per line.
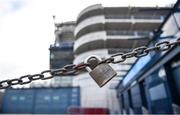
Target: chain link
4,84
81,66
69,69
108,60
47,74
58,72
163,46
35,77
140,52
14,81
116,60
128,55
72,69
26,79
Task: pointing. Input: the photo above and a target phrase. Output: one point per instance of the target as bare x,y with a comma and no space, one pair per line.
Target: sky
27,30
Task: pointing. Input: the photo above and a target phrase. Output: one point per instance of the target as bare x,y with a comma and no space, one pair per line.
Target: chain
140,52
73,69
70,69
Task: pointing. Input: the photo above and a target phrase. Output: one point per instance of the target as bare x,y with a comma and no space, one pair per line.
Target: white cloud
8,6
25,37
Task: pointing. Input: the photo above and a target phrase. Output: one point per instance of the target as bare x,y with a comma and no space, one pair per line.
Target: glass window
55,97
74,100
52,56
74,90
161,92
177,18
47,98
22,98
136,68
170,28
74,95
13,98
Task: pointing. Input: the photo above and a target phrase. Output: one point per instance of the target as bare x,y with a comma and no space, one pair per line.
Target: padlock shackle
88,58
92,56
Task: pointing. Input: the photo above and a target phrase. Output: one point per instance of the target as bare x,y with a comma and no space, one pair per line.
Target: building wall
105,30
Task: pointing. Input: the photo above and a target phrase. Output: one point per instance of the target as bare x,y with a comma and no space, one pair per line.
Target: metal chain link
73,69
140,51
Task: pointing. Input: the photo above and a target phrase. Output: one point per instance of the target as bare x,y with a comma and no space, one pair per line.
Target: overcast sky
27,30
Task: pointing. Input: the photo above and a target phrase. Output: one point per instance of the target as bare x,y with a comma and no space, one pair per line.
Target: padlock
101,73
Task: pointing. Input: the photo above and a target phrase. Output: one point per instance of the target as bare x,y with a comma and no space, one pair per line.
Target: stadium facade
104,31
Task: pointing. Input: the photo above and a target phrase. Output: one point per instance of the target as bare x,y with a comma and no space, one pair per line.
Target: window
136,68
161,92
13,98
56,98
177,17
22,98
170,28
47,98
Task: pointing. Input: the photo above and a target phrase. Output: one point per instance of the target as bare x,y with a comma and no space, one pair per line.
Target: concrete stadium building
104,31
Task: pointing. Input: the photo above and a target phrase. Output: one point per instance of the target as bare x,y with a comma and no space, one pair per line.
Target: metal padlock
101,73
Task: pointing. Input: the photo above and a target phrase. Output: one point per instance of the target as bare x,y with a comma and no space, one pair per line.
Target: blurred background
37,35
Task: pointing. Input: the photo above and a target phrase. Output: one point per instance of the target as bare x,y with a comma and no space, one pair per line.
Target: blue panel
18,101
55,100
41,100
136,68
